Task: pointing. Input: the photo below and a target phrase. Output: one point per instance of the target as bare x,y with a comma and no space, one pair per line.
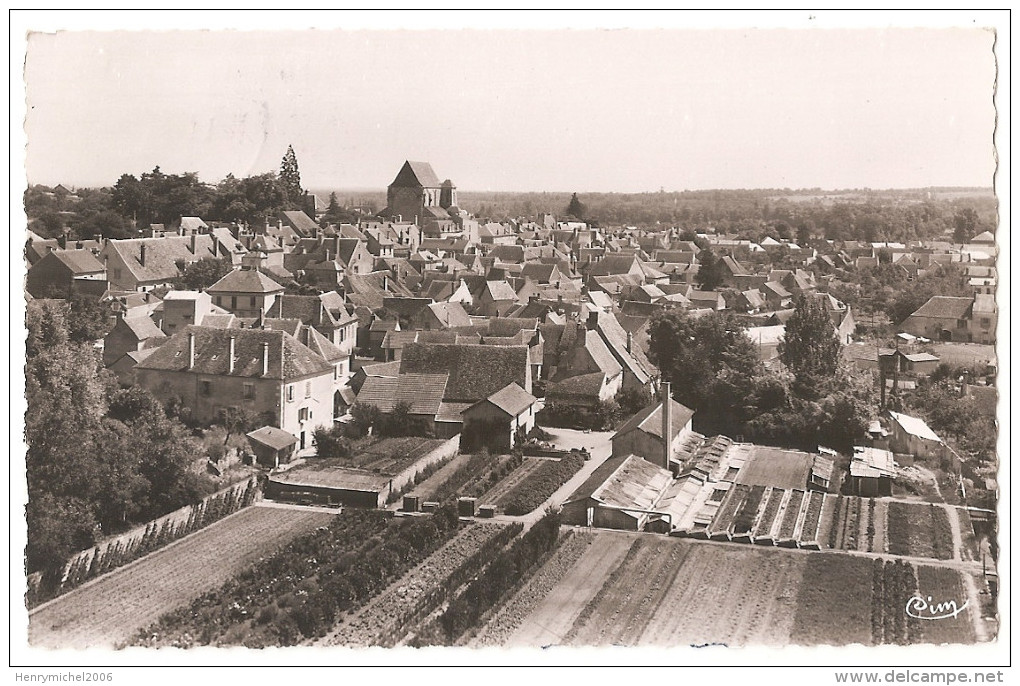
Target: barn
642,434
496,421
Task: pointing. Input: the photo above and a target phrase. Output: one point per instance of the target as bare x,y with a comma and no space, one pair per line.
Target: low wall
447,449
168,522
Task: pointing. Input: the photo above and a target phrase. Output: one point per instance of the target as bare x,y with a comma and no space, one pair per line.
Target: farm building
621,494
496,421
272,446
871,472
363,480
912,436
642,434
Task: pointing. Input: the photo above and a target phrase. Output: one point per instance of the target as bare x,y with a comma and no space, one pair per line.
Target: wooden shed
272,446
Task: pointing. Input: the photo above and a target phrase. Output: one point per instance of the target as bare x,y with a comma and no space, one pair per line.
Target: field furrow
493,495
108,611
552,618
524,602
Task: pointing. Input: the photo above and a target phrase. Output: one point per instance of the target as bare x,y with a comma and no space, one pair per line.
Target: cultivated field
109,610
613,588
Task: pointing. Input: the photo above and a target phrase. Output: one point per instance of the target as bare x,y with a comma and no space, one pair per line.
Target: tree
291,177
711,363
810,348
965,223
197,276
237,420
711,272
576,208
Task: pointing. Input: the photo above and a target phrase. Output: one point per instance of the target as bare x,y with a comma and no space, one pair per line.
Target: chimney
630,341
667,424
385,282
231,368
191,350
265,359
141,256
192,244
62,239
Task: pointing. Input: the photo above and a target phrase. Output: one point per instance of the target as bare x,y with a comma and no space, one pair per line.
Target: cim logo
920,607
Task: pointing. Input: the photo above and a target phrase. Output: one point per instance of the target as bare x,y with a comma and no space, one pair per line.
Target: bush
331,442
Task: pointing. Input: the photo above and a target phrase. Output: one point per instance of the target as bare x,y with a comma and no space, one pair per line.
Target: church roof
416,175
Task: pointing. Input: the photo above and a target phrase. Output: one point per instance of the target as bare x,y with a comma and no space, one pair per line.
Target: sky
627,109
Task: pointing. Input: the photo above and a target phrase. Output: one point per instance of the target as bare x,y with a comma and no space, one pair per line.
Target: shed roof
271,436
914,426
649,420
512,399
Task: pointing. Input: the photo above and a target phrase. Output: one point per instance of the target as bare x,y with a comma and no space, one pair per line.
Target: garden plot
109,610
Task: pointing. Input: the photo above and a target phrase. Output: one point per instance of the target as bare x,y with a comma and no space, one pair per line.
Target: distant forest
870,215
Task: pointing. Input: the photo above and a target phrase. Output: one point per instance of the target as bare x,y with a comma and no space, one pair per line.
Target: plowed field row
494,494
376,622
507,619
108,611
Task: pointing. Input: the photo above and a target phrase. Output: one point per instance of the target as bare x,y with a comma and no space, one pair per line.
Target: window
290,392
219,301
205,388
342,332
304,414
233,302
308,389
253,301
249,391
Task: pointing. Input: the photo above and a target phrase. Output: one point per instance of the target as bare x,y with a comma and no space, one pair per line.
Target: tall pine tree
291,177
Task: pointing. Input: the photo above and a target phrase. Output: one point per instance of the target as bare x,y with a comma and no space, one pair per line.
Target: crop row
536,488
768,515
723,521
944,586
788,527
809,529
506,573
299,592
748,511
155,535
387,619
892,585
920,530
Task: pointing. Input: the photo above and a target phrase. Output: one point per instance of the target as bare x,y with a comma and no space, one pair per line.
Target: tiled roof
422,392
500,290
512,399
649,420
945,307
450,314
162,254
452,412
275,438
245,281
143,328
300,222
580,386
416,175
288,358
476,371
80,261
